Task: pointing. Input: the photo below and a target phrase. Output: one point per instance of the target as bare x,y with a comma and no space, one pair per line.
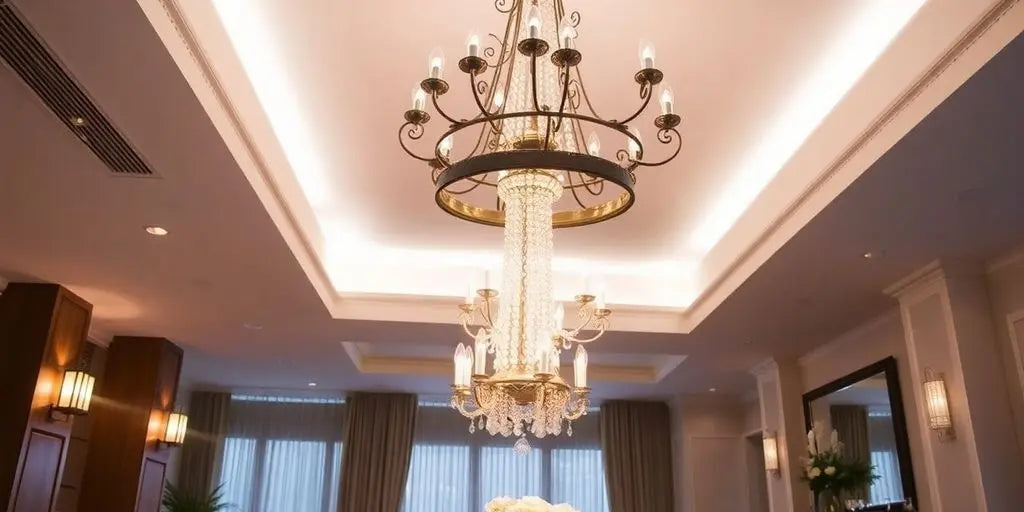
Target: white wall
707,442
869,343
1006,295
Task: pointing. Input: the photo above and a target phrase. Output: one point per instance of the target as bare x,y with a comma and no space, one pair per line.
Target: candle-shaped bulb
489,280
566,33
470,295
467,367
593,144
646,55
445,146
599,302
419,98
559,317
634,144
480,353
473,44
436,63
499,99
544,359
668,99
580,367
533,22
458,359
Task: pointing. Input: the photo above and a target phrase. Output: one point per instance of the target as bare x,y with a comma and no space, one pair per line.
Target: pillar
42,332
780,391
948,328
126,467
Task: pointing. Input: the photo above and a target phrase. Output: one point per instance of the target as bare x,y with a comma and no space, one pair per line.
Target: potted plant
829,473
178,500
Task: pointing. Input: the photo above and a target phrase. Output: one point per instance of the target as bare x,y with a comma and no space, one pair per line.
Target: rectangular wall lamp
771,454
75,395
937,402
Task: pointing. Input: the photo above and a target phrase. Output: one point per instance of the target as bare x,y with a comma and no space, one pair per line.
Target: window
455,471
282,455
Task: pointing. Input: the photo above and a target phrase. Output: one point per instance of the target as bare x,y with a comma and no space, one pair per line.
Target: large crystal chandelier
529,167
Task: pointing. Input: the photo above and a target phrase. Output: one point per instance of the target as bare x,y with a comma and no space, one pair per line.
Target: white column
948,328
780,392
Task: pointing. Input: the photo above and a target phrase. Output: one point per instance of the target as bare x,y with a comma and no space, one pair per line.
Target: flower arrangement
828,472
526,504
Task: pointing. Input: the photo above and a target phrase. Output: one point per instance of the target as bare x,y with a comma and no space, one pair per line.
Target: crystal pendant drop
522,446
472,426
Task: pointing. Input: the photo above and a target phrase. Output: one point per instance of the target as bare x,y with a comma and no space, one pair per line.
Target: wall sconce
937,402
771,454
174,430
75,395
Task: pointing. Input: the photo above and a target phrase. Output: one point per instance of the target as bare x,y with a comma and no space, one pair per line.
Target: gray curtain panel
851,424
636,440
378,448
207,425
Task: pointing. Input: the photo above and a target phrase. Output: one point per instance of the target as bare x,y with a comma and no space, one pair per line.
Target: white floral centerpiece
525,504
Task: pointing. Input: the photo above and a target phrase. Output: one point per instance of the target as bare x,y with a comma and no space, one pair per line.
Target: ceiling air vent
42,71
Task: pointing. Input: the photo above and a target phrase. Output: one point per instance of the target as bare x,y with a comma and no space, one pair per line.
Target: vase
828,501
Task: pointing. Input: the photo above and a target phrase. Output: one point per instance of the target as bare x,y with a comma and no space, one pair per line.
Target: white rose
814,473
831,470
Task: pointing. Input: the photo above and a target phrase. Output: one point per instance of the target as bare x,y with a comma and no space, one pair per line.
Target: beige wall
708,446
1006,294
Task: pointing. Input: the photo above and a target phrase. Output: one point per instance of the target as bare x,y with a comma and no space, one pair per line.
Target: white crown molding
765,369
986,36
923,276
851,336
1012,257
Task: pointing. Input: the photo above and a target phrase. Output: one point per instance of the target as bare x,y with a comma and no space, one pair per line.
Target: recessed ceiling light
312,384
252,327
156,230
869,255
79,121
712,389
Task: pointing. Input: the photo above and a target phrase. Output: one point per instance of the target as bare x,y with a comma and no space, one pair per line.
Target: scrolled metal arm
415,132
646,90
665,137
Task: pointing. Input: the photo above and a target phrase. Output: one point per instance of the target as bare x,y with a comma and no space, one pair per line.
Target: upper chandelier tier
542,119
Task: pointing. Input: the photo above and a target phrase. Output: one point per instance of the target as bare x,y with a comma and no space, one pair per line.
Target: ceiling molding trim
854,335
925,275
668,365
765,370
996,264
818,195
174,30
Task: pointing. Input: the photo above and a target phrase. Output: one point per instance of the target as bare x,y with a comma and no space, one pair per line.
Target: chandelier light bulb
419,98
470,296
579,367
634,147
559,317
646,55
480,354
445,146
473,44
566,33
533,22
599,302
499,99
436,62
667,101
459,352
593,144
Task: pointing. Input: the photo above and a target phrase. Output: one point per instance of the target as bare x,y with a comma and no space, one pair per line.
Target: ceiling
239,281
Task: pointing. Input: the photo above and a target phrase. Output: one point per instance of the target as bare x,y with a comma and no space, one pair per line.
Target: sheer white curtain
282,454
455,471
882,439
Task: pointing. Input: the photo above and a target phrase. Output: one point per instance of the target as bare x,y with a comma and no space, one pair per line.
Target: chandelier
532,162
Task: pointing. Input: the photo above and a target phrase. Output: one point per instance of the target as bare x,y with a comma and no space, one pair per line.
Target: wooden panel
37,486
42,332
139,385
152,487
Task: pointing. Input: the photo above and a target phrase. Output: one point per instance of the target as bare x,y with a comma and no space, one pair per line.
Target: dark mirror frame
899,419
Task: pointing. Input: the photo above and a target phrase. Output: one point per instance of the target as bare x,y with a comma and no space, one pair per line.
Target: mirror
865,408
